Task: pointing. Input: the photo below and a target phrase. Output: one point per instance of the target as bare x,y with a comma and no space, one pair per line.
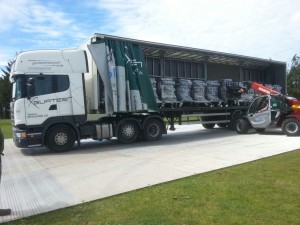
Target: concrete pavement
36,180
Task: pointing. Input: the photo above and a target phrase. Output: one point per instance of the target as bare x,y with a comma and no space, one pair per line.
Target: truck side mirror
30,88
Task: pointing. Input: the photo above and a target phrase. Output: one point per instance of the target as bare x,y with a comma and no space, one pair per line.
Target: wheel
260,130
222,125
127,131
153,130
60,138
208,125
234,118
291,127
242,126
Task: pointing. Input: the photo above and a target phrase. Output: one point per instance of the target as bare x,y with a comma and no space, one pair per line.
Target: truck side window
62,83
43,85
48,84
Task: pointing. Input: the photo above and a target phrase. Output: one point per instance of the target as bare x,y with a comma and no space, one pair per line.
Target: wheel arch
157,117
119,125
234,116
242,125
290,132
288,117
68,123
237,114
118,121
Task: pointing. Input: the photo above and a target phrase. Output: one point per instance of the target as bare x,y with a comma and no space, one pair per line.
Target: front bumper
24,139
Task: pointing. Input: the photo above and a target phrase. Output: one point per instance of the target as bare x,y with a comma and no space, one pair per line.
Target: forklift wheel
291,127
242,126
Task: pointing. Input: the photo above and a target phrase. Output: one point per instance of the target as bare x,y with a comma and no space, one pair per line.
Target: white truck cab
47,85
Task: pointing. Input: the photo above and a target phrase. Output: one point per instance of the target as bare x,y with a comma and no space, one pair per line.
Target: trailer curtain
126,74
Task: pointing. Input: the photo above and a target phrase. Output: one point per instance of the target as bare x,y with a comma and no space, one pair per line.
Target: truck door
63,95
41,102
259,114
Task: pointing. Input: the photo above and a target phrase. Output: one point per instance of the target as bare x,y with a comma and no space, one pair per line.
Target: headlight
21,135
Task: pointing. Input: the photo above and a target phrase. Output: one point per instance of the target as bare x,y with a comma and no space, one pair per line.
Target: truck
270,110
129,89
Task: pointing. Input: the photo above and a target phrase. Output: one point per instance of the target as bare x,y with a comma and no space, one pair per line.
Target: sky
268,29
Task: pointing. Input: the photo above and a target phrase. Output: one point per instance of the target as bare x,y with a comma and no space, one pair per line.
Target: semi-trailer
129,89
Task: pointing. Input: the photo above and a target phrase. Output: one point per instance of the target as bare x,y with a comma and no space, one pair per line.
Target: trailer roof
152,49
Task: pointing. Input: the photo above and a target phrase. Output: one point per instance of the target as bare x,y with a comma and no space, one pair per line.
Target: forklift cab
265,110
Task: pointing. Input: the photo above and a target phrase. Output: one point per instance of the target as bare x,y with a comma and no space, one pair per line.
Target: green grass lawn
262,192
6,128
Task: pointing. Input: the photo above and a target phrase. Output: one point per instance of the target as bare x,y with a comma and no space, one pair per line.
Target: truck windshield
42,85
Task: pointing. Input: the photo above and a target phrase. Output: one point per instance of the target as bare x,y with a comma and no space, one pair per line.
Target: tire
291,127
60,138
127,131
234,118
242,126
260,130
153,130
208,125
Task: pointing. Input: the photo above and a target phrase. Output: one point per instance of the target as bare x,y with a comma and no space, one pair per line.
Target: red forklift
270,110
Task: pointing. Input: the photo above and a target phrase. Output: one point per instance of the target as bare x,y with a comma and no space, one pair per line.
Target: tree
293,78
5,91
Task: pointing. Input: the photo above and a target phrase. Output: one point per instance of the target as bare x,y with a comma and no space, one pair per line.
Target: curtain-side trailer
129,89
